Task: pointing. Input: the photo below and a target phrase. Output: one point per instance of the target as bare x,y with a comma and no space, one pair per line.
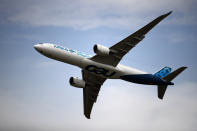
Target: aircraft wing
91,90
125,45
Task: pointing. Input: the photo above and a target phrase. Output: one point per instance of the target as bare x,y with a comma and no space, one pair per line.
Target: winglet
168,13
165,15
150,25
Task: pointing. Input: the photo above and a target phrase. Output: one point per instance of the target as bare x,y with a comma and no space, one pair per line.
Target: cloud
141,109
181,38
120,107
45,64
88,14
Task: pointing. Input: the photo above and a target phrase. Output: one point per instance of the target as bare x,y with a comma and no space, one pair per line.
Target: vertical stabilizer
163,72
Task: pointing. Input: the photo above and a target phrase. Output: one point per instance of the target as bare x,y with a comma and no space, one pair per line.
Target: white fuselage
81,60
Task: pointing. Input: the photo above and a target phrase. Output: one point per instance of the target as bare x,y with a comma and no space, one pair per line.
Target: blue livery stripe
148,79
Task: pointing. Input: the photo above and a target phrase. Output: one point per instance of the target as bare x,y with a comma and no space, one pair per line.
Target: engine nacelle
101,50
76,82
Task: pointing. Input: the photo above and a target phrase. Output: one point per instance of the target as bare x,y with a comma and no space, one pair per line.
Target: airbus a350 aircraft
105,65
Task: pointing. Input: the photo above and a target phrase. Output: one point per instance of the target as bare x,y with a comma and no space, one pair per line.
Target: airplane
105,65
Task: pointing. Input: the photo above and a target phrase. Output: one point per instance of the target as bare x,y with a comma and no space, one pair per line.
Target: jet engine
101,50
76,82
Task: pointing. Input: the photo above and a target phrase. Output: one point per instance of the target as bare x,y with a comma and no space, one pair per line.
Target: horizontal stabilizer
161,89
172,75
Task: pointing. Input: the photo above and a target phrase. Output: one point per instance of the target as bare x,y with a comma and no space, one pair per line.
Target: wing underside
91,91
125,45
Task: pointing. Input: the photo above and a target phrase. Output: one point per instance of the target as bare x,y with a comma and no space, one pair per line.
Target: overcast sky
35,94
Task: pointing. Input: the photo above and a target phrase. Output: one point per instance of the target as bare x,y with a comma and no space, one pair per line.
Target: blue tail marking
163,72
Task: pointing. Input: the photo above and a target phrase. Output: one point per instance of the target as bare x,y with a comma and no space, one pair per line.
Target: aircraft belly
65,57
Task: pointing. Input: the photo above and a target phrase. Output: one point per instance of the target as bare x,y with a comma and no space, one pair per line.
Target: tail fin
161,89
163,72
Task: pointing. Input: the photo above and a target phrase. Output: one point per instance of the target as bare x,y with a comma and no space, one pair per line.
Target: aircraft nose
37,47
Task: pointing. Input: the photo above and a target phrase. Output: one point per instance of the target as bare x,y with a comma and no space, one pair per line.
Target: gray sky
34,90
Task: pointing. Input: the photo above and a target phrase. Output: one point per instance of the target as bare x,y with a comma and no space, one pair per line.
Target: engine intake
101,50
76,82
